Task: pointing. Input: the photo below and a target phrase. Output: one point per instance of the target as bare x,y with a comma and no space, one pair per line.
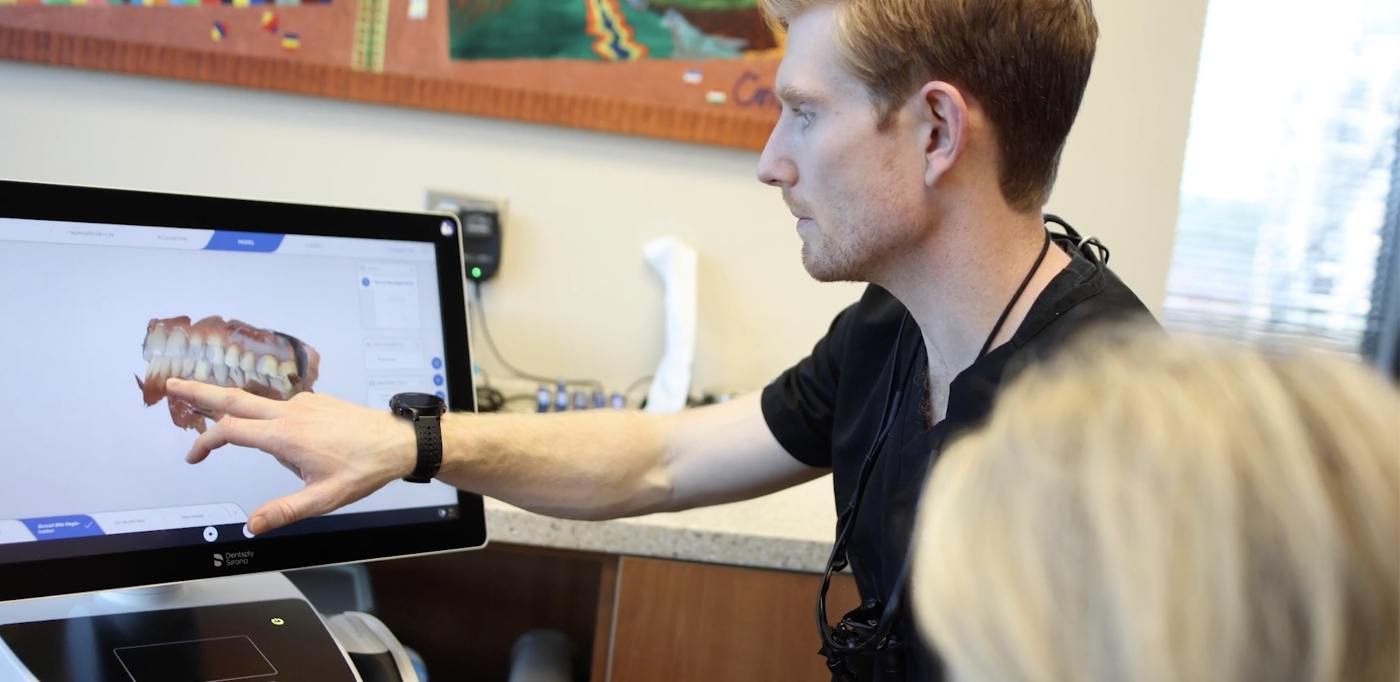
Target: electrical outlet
483,219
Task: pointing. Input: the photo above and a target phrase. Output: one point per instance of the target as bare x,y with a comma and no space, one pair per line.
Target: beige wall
573,295
1121,171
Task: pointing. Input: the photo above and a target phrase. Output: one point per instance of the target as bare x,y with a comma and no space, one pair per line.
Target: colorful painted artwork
163,3
694,70
607,30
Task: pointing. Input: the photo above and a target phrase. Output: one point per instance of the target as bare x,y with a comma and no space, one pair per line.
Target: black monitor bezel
38,201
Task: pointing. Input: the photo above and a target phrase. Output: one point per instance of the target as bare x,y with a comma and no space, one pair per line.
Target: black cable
637,384
489,399
847,520
1006,312
1090,246
486,333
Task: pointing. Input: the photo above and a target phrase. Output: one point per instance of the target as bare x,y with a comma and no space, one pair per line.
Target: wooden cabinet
631,619
464,610
680,621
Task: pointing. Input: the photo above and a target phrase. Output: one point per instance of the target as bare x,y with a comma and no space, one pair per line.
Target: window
1291,180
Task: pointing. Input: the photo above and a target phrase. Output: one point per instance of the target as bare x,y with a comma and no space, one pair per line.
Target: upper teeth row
192,355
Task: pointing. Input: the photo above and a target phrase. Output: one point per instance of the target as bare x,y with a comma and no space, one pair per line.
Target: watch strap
427,429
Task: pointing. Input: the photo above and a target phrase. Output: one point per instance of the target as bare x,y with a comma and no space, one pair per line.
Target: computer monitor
104,292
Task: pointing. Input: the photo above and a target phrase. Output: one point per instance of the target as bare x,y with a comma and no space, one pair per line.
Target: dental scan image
263,362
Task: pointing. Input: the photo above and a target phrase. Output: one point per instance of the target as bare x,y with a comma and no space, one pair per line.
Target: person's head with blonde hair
1142,509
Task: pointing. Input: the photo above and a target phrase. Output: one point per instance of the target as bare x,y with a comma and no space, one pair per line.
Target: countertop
789,530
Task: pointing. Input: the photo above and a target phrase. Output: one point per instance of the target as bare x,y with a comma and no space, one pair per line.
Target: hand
342,452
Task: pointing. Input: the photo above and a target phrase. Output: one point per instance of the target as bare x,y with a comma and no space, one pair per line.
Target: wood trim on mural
744,129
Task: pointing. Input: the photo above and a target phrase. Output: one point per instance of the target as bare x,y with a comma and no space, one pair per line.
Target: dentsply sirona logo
231,559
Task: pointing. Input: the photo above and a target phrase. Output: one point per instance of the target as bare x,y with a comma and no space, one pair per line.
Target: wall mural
693,70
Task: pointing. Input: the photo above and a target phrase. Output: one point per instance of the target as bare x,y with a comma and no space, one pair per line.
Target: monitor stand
258,628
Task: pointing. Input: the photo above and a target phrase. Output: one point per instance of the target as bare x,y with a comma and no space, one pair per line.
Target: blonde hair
1026,62
1143,509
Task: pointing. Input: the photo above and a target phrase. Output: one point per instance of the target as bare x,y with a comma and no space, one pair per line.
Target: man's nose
775,167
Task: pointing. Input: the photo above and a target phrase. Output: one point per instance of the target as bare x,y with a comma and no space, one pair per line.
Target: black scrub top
826,410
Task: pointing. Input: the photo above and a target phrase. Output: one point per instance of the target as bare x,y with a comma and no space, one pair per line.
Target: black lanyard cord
1006,312
837,560
846,523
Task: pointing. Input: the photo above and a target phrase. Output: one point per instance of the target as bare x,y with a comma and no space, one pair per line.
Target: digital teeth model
233,353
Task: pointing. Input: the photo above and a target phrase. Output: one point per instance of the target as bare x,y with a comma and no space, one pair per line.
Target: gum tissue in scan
233,353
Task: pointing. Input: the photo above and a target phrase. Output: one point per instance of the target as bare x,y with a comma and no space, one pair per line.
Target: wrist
403,448
463,440
423,412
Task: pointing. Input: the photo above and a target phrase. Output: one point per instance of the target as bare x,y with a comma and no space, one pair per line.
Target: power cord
489,399
523,397
491,343
646,380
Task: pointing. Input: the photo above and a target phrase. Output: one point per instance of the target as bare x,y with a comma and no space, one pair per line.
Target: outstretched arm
585,465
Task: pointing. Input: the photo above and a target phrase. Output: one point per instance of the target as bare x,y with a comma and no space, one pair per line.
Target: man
917,144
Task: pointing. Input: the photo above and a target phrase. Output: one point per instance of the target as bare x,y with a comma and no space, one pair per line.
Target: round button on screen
211,533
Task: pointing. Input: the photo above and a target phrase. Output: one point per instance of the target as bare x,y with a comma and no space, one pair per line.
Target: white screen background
79,439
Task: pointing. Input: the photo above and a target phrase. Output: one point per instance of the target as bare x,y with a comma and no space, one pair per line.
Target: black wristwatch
425,411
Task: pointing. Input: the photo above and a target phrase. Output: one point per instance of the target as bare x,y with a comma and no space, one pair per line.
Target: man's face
857,191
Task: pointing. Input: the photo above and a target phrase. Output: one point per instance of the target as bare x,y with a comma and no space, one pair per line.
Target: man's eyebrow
792,96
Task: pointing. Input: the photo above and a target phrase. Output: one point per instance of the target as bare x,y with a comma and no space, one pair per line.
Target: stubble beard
831,260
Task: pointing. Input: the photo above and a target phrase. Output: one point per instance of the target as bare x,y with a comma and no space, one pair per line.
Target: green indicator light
476,273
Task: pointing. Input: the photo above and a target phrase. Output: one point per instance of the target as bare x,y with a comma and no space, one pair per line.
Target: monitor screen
106,293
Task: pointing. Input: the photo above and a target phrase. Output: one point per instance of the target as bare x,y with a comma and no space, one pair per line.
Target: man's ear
946,119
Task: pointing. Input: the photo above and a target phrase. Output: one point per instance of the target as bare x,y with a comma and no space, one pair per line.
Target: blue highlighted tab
252,242
63,527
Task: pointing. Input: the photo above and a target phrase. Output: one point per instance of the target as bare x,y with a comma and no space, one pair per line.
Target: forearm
586,465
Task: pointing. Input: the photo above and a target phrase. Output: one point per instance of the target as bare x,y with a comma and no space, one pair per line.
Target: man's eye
799,114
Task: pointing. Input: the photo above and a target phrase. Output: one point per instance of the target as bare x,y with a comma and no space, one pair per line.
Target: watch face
415,401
